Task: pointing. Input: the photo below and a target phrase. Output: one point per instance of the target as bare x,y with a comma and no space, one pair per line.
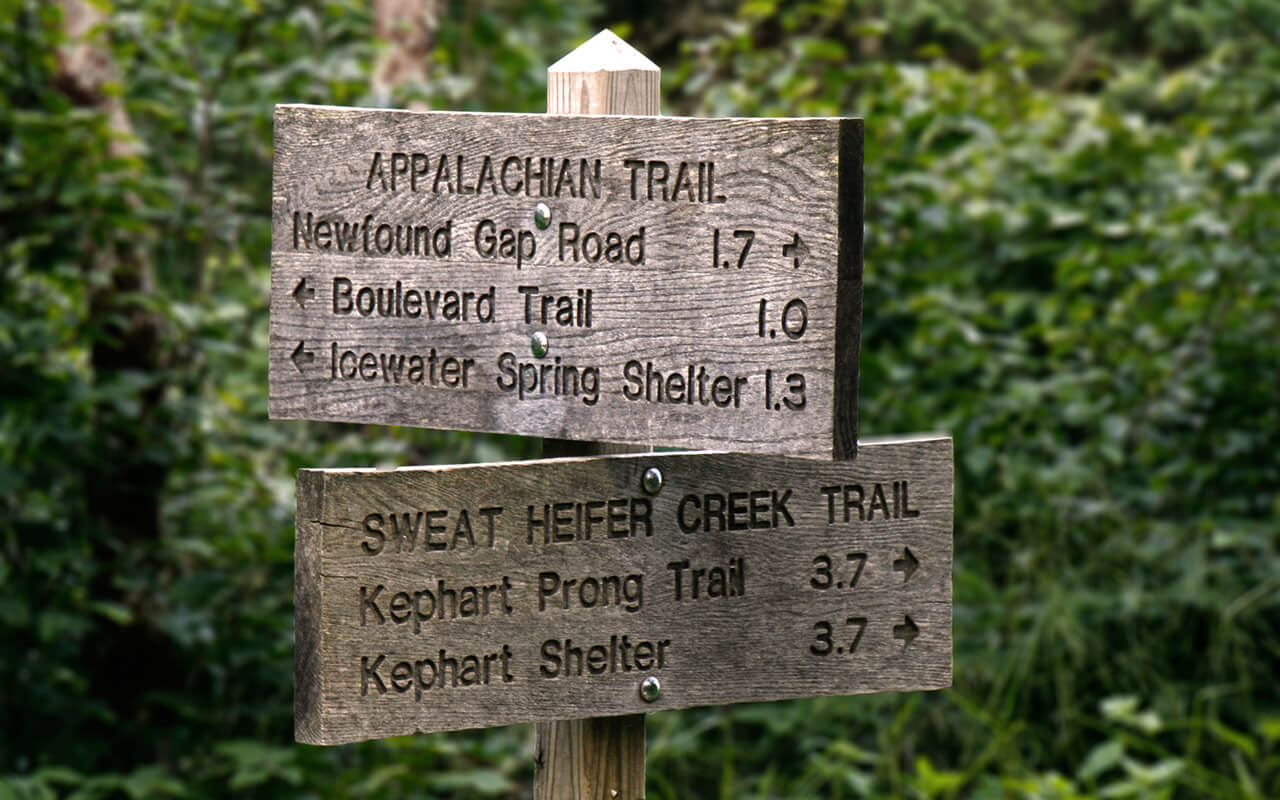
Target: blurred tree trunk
409,29
124,478
85,68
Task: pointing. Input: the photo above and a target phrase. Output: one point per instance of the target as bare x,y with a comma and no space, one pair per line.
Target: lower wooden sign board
440,598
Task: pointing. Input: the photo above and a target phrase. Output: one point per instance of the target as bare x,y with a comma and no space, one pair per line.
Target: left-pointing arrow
302,356
302,293
906,632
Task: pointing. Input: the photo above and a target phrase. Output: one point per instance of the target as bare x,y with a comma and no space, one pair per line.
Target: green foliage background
1072,266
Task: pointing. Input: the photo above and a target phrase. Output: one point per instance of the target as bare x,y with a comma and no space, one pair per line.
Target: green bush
1084,289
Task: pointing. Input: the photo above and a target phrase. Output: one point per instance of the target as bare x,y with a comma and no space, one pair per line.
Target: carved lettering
694,384
434,305
656,180
564,658
435,604
444,671
699,583
529,380
734,511
615,518
493,243
622,591
565,310
595,247
420,369
868,501
370,236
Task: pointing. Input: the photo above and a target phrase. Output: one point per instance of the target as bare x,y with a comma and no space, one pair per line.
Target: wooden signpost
651,281
437,598
685,282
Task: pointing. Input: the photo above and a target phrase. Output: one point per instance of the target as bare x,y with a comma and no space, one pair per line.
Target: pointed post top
604,51
604,76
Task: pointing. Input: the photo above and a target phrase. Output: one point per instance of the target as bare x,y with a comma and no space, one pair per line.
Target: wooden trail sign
686,282
439,598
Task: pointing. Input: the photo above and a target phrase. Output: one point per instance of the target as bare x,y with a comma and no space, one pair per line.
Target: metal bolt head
538,343
652,481
650,689
542,215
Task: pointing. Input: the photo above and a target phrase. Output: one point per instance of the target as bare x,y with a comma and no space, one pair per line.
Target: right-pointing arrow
797,251
907,565
301,356
906,632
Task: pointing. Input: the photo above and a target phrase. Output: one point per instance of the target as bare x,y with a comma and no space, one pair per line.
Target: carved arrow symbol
797,251
906,632
907,565
301,356
302,293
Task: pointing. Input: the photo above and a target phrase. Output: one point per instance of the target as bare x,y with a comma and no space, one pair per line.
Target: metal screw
652,480
542,215
650,689
538,342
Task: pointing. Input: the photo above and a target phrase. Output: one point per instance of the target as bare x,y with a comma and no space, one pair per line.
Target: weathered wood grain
595,757
759,640
592,757
672,308
604,75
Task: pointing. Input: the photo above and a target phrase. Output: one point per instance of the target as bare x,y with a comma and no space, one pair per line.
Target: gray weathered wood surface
604,75
751,645
595,757
591,757
779,179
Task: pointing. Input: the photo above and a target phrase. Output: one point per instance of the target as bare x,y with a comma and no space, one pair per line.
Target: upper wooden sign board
439,598
664,281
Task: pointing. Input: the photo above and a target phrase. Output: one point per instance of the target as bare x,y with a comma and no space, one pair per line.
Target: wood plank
604,75
863,546
666,344
591,757
595,757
